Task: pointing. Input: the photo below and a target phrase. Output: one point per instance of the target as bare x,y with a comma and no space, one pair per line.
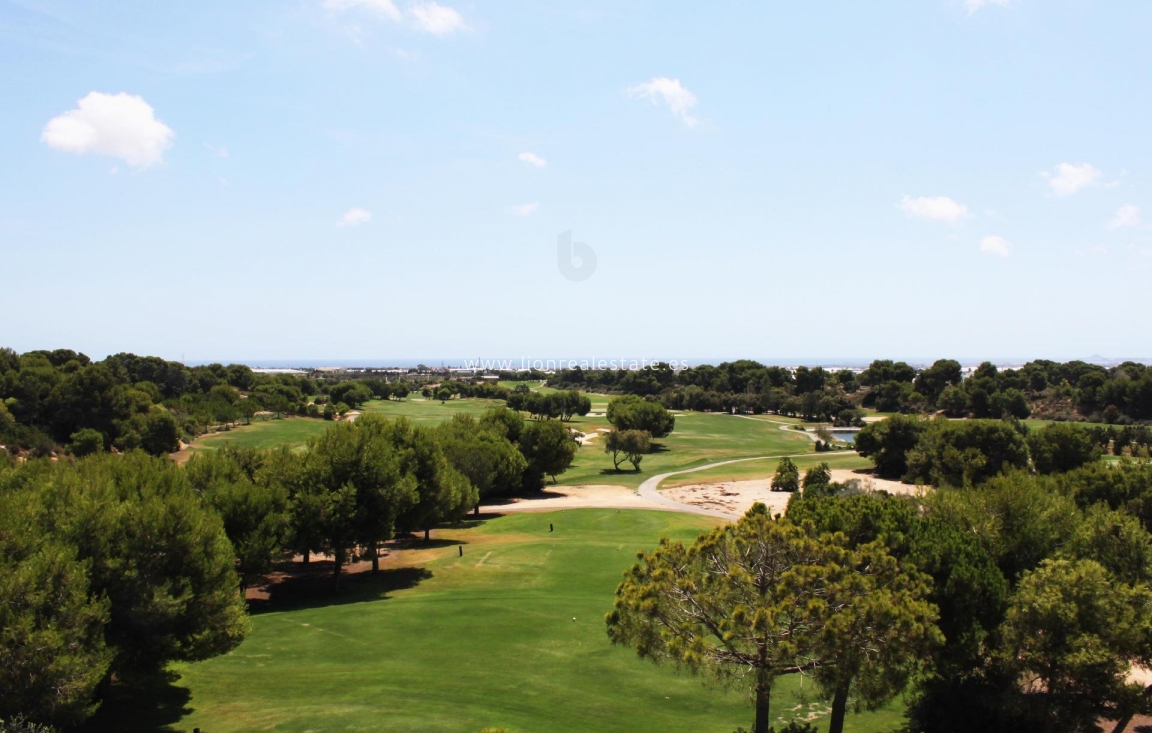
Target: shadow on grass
146,704
293,586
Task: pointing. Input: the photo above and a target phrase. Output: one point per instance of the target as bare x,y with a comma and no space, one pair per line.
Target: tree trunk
307,556
839,707
763,697
338,562
427,536
375,558
477,511
1122,724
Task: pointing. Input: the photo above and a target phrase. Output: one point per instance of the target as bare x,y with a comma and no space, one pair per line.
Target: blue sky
365,179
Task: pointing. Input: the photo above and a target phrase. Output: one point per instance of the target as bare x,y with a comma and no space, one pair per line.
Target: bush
86,442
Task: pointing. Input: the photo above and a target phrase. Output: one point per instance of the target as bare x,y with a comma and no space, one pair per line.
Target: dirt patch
737,497
592,496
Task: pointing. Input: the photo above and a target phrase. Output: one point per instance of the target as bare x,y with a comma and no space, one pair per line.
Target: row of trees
943,452
562,405
1020,604
113,566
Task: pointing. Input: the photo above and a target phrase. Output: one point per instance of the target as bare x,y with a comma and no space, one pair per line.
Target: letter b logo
575,260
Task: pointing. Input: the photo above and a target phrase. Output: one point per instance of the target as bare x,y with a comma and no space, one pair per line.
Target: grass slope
699,438
487,639
293,432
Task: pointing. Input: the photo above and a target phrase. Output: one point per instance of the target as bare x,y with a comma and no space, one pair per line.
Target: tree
935,379
549,449
178,604
443,494
252,507
636,413
763,598
161,433
1073,634
817,476
364,484
630,445
52,650
1061,447
787,477
86,442
966,452
887,443
481,452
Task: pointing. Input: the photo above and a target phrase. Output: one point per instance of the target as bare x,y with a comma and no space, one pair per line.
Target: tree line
1075,391
1017,604
111,566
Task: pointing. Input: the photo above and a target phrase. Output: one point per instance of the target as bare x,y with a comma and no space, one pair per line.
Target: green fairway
428,412
699,438
511,635
749,470
292,432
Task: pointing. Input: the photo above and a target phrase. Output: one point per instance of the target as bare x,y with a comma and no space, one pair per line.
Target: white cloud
524,209
354,217
119,125
1126,216
995,246
219,152
533,159
437,19
1067,178
974,5
427,15
669,92
935,208
385,8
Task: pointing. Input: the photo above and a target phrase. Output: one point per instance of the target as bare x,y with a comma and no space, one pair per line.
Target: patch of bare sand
592,496
737,497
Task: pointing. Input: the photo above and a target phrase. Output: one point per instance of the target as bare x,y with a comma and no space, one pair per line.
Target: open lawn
428,412
293,432
699,438
511,635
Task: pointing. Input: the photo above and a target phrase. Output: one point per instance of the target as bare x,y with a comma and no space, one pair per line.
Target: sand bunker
593,496
737,497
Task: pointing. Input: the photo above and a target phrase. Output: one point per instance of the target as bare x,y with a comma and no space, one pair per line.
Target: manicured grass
293,432
1042,423
510,635
766,468
429,412
699,438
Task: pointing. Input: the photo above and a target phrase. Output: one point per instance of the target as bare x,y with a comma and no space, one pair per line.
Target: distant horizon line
519,363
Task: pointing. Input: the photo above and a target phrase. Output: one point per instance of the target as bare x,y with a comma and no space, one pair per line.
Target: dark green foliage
630,445
549,449
1061,447
86,442
250,501
965,453
787,476
888,442
635,413
111,564
481,452
52,651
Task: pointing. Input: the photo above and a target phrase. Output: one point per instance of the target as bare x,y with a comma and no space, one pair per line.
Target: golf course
509,634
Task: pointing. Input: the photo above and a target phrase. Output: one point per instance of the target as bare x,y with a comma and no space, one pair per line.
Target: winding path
650,489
